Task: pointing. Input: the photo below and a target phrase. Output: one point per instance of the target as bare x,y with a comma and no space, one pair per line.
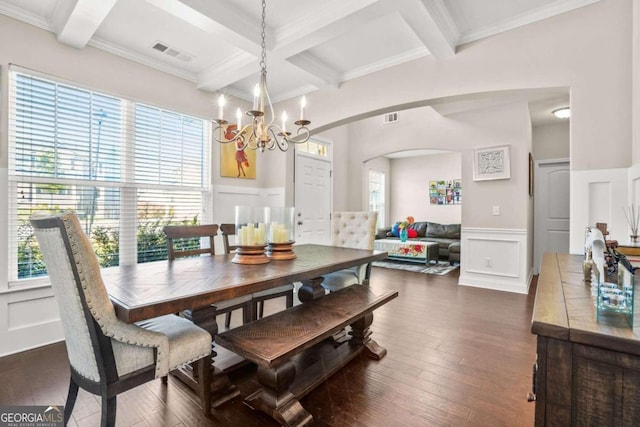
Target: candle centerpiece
280,234
251,234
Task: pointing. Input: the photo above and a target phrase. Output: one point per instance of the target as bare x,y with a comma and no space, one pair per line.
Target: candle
261,234
284,121
221,103
250,235
256,97
303,103
239,119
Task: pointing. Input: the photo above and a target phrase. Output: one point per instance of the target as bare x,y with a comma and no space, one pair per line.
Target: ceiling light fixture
259,134
562,113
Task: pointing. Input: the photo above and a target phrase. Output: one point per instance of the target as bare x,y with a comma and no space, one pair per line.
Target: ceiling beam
228,72
334,19
75,22
317,72
431,22
219,18
230,24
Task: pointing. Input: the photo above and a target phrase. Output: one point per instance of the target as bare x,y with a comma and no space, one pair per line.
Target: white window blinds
126,169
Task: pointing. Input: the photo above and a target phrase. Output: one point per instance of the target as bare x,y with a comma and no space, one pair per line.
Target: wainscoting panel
32,320
226,198
600,196
495,259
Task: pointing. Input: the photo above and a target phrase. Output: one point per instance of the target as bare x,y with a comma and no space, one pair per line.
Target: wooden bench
272,342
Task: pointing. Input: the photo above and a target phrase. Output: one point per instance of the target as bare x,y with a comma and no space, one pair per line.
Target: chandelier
260,134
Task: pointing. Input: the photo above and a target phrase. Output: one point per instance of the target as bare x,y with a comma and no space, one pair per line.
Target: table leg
311,289
222,390
275,399
361,336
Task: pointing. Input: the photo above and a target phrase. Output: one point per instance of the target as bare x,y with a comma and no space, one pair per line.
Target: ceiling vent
172,52
390,118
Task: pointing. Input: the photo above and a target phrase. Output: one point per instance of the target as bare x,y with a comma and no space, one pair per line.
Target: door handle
299,222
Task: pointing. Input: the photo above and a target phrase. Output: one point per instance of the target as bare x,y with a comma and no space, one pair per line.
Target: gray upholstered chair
179,233
108,356
258,298
351,230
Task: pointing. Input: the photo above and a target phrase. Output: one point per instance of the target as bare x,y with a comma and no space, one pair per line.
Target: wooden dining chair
184,241
258,298
108,356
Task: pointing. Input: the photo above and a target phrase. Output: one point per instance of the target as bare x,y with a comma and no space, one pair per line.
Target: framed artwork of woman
236,162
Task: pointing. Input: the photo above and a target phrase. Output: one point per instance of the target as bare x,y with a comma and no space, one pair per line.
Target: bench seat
271,343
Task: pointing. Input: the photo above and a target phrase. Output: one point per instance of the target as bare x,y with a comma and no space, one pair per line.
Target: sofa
446,235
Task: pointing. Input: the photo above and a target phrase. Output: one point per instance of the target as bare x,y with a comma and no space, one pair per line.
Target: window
376,194
126,169
314,147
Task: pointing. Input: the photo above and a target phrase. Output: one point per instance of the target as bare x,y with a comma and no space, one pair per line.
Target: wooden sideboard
588,371
629,249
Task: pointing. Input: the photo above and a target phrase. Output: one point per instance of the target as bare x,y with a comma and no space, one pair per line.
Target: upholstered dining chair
178,237
355,230
258,298
108,356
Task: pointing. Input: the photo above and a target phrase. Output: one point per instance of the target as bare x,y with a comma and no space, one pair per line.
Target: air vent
390,118
172,52
160,47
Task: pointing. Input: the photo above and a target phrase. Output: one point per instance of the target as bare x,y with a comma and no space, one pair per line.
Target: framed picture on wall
445,192
491,163
234,161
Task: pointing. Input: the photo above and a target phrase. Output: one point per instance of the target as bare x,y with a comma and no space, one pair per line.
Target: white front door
551,207
313,199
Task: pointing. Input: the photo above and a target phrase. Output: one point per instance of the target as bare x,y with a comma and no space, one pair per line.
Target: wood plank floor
457,356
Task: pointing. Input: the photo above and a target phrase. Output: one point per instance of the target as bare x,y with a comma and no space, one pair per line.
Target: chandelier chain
263,62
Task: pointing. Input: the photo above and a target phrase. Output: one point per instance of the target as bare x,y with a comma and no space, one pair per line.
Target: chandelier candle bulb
239,119
221,102
284,121
303,103
256,97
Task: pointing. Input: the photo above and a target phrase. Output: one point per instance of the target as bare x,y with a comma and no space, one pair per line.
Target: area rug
441,268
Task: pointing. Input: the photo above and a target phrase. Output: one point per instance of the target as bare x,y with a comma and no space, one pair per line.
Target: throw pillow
395,231
411,233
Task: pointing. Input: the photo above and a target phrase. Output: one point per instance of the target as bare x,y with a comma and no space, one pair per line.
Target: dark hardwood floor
456,356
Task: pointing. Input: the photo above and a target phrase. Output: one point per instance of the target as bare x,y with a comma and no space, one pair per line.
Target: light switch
496,210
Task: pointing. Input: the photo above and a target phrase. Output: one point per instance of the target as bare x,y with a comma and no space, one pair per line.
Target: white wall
410,188
551,141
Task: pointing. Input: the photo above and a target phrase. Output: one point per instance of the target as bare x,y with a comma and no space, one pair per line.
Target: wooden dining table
143,291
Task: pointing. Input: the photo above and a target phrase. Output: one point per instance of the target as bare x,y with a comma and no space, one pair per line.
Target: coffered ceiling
311,44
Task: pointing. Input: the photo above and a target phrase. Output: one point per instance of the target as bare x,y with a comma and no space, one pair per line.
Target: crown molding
386,63
26,17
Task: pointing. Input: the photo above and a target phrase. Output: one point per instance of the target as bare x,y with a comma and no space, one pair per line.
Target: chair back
228,230
355,230
178,236
83,302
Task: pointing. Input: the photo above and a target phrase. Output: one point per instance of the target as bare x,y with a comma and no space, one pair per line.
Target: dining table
147,290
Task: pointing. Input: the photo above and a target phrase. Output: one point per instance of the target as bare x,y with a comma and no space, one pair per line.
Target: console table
415,251
588,371
629,249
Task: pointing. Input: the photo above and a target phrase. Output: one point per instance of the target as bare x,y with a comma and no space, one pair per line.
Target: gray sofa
446,235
